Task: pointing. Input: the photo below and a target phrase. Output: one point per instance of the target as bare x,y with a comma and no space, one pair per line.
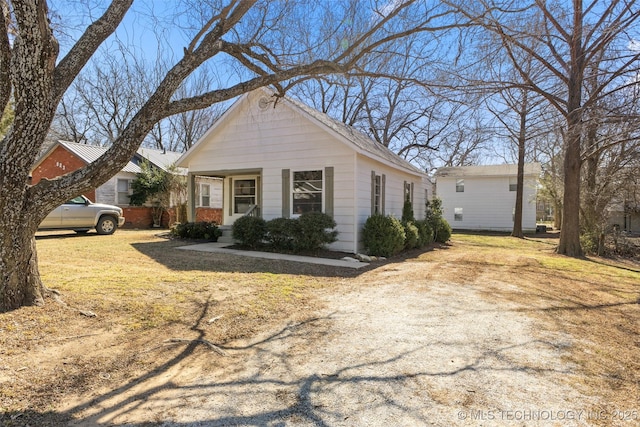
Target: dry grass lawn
144,292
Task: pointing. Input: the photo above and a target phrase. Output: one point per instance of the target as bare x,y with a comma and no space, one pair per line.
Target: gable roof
358,141
533,169
90,153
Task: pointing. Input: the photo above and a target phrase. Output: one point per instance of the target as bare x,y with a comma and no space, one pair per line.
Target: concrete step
226,235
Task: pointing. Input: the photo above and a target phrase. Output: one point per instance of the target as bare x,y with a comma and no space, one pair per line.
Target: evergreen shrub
383,235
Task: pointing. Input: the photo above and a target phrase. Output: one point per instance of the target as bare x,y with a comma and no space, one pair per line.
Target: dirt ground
465,334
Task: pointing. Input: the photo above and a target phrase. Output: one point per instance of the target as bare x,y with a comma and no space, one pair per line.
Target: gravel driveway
404,353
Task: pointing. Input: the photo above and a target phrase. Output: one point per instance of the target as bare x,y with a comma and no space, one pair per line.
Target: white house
484,197
279,158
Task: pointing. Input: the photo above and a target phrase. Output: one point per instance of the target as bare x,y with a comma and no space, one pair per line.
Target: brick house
64,157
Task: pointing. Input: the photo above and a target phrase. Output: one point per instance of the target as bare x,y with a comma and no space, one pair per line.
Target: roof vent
264,102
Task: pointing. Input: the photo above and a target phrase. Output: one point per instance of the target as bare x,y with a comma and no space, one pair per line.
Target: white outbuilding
484,197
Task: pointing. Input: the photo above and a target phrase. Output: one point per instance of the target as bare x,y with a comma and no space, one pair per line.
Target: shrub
407,212
383,235
197,230
314,230
249,230
281,232
411,234
442,231
425,233
590,242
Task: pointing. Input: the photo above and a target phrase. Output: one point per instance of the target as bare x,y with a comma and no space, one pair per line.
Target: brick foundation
137,217
209,215
142,216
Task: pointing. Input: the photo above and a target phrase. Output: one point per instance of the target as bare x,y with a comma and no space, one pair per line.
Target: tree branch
86,46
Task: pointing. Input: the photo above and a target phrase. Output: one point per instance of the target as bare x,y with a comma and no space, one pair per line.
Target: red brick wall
142,217
137,217
58,163
209,214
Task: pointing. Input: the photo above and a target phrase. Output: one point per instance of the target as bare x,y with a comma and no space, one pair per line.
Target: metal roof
161,159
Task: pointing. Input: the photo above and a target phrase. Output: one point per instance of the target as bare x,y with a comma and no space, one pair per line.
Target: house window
205,195
457,214
307,192
459,185
123,191
407,192
513,183
244,195
377,194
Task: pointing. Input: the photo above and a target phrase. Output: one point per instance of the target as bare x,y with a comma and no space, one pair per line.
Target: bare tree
263,38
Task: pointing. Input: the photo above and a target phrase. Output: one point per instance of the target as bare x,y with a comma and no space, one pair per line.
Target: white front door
242,194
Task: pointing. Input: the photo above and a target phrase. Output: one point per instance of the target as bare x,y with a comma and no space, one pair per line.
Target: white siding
106,193
275,139
487,203
215,188
250,140
393,191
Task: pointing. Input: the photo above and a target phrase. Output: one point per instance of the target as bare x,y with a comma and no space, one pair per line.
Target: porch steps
226,235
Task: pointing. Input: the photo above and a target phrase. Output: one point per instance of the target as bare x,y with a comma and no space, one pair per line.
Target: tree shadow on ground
301,394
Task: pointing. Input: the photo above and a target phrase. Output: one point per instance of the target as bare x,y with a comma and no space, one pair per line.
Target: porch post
191,197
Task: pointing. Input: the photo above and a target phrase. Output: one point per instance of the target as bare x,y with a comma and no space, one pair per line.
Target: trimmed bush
249,230
425,233
383,235
314,231
197,230
589,242
442,232
281,233
411,234
407,212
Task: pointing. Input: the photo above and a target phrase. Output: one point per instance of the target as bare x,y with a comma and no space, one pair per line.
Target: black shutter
328,191
286,190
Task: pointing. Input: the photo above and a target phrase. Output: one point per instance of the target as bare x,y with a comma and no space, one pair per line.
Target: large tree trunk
570,234
21,284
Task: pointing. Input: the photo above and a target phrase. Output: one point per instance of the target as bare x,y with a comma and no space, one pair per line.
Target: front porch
241,194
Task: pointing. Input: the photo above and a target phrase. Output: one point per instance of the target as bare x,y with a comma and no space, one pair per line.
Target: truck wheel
106,225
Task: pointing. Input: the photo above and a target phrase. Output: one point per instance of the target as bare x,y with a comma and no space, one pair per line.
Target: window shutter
286,190
259,195
230,196
373,192
411,193
328,191
384,185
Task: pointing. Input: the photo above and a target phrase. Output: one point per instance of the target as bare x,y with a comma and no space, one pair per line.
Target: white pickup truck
81,214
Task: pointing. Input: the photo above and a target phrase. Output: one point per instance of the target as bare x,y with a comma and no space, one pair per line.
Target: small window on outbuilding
457,214
459,185
513,183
